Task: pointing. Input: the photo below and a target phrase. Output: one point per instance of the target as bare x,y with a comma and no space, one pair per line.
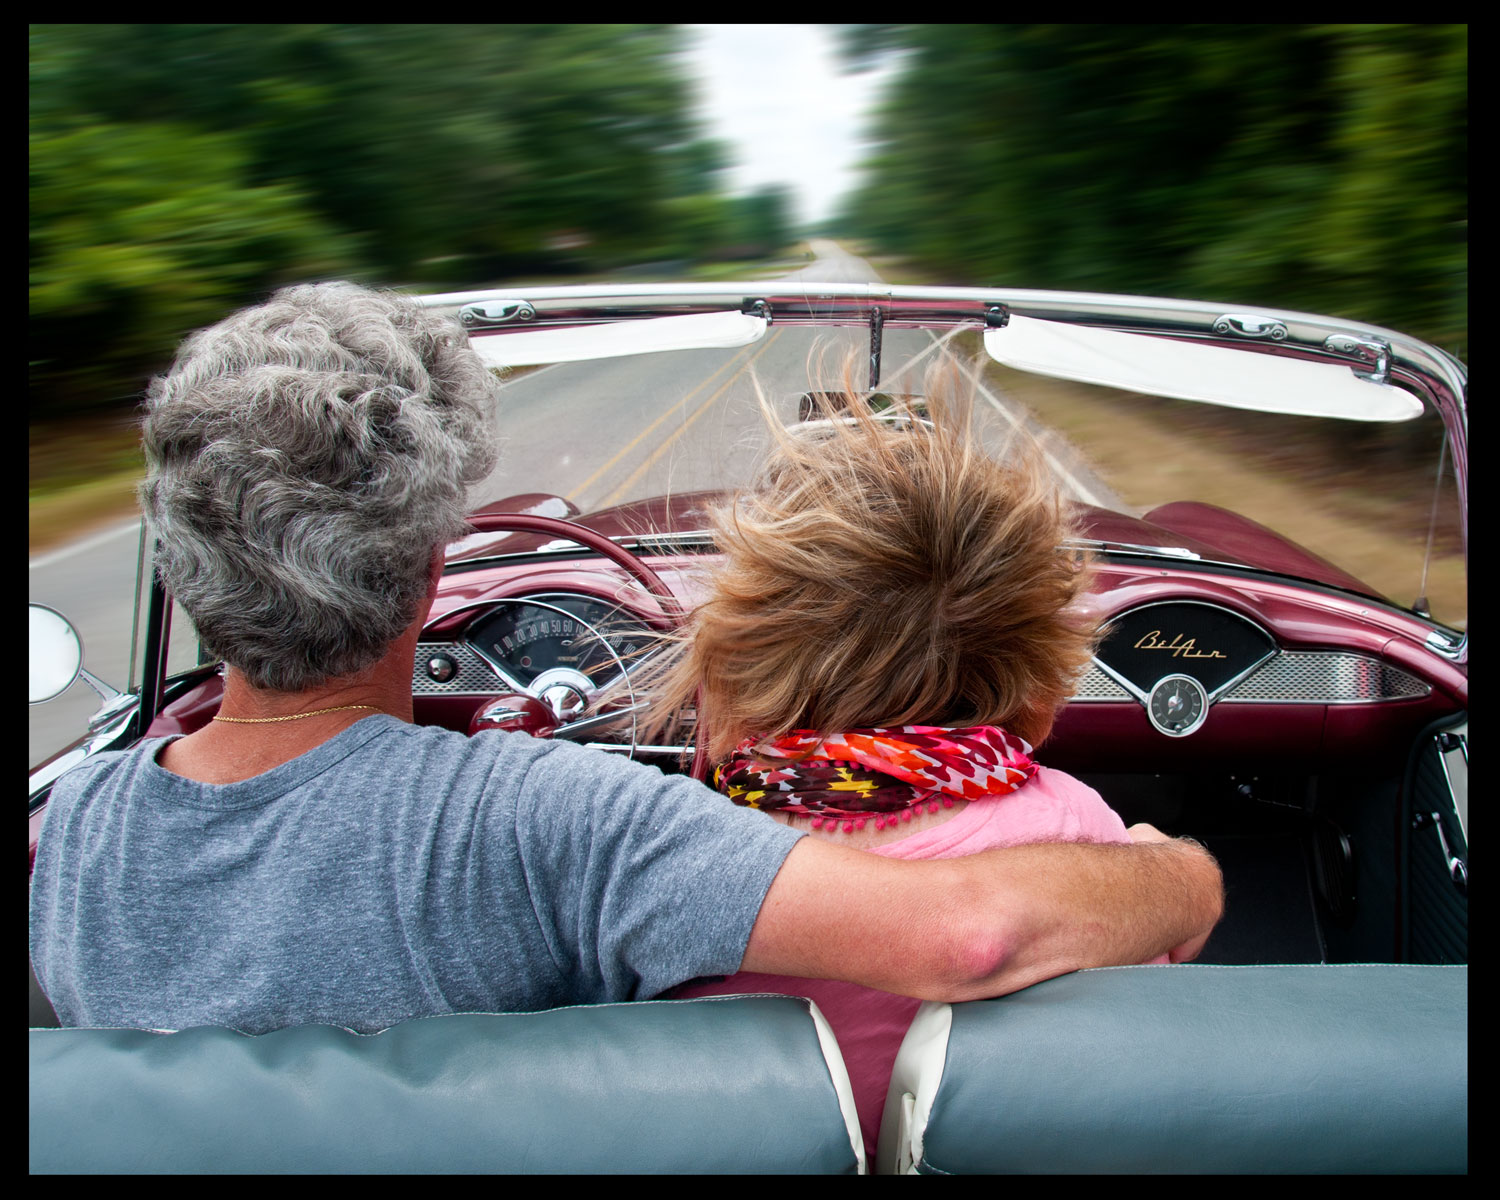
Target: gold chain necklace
293,717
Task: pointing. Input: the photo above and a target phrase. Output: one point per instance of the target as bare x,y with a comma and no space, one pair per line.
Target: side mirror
56,654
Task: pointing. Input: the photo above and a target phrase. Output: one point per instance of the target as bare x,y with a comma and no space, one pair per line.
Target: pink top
869,1024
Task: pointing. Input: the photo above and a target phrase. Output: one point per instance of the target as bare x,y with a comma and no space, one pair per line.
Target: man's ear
435,571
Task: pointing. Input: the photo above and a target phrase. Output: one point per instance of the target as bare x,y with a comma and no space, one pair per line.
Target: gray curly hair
304,459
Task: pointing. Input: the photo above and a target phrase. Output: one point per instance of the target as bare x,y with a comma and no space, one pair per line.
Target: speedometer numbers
556,640
1177,705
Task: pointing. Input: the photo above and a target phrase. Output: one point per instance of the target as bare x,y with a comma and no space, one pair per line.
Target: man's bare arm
963,928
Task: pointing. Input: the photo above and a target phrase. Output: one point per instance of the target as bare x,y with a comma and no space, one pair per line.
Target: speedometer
524,638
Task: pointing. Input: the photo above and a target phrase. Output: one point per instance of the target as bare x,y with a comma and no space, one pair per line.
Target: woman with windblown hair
886,641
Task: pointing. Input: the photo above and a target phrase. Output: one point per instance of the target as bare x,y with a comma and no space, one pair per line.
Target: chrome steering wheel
562,702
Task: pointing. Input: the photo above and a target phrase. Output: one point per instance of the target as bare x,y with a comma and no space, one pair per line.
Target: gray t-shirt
394,871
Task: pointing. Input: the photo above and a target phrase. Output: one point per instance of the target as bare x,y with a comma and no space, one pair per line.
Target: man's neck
258,730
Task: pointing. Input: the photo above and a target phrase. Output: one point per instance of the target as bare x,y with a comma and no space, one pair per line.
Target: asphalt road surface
597,433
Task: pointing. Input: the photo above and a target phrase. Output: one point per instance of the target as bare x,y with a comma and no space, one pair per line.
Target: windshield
1376,500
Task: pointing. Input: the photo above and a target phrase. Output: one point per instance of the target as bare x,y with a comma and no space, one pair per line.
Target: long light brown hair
884,572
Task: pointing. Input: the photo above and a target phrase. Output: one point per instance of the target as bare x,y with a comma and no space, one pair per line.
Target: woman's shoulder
1057,783
1096,820
1052,806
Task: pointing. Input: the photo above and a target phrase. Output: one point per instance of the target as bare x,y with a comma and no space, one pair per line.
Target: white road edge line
90,543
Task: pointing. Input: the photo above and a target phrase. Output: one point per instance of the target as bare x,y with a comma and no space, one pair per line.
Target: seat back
1192,1069
737,1084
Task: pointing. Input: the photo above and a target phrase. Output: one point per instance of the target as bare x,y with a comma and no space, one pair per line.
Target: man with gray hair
313,856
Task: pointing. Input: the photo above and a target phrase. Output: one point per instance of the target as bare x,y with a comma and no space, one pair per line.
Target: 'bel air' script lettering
1178,647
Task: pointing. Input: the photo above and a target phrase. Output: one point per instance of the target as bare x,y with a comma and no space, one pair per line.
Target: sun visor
698,331
1190,371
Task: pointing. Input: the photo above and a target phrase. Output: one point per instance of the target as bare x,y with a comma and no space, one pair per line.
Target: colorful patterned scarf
879,773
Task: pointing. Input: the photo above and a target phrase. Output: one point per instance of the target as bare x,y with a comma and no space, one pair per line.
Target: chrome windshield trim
789,300
1445,647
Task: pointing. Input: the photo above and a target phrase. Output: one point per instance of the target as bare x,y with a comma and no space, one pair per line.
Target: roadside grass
901,271
82,477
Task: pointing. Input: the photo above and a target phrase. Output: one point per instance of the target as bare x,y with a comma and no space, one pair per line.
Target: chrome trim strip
1130,548
695,539
1460,810
622,749
1130,688
1285,677
1439,643
475,676
1458,868
1328,677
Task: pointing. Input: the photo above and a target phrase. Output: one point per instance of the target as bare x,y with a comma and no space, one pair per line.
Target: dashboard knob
441,668
517,714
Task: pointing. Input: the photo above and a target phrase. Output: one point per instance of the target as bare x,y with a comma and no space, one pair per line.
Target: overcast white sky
775,94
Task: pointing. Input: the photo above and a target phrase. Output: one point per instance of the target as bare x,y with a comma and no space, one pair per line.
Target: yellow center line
624,488
635,441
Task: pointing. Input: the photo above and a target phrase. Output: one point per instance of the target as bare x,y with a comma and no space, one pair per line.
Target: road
596,432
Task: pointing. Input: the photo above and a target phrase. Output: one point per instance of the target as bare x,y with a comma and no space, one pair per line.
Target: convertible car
1275,504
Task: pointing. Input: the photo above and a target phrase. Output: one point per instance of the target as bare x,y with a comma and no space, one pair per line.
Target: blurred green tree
140,232
481,141
763,220
1320,167
178,170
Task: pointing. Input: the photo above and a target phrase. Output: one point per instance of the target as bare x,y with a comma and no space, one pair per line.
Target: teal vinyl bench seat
1190,1069
725,1084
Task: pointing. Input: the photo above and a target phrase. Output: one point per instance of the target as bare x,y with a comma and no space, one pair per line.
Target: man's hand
1143,834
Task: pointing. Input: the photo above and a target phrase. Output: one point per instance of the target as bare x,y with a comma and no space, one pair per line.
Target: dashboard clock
1177,705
